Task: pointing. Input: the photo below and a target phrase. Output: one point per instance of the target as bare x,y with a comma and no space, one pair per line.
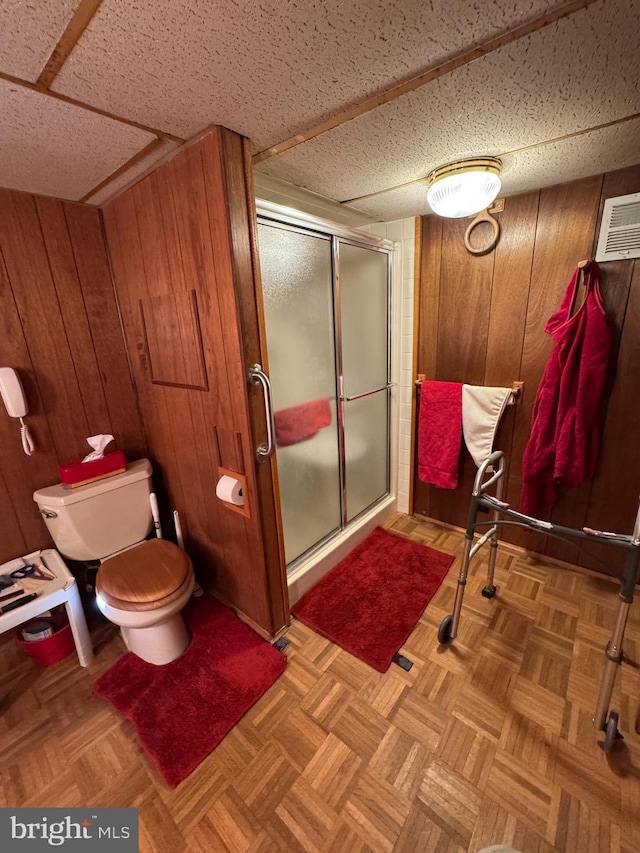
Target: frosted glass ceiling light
464,187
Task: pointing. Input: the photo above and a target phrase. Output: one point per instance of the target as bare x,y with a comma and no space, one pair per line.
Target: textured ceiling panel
557,162
268,69
166,146
29,32
591,153
53,148
399,203
570,76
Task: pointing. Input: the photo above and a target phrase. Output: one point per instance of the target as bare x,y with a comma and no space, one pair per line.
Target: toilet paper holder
244,509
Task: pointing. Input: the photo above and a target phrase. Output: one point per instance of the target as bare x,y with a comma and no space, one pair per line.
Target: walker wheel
444,631
489,591
611,732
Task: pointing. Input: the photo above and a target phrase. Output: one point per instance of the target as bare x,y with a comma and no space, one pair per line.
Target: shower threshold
310,567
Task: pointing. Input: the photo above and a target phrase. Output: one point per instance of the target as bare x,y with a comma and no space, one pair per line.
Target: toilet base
158,644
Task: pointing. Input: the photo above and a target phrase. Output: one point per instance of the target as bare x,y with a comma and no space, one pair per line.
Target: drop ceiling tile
573,75
268,69
166,146
590,153
53,148
30,31
399,203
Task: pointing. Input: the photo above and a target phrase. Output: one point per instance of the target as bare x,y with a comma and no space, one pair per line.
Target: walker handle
496,457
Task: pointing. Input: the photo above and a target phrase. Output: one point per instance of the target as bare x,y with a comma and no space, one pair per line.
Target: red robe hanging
565,424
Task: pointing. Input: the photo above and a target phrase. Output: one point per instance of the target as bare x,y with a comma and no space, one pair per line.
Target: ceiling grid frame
424,78
383,202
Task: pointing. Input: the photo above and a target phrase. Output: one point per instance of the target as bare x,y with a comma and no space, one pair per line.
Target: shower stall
326,293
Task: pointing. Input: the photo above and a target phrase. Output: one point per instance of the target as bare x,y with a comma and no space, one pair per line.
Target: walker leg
449,626
611,732
490,590
462,582
605,720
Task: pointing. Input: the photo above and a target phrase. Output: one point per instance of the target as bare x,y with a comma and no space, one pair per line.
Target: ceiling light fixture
464,187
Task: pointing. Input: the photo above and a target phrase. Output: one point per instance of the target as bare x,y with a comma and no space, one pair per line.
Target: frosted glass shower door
364,309
298,304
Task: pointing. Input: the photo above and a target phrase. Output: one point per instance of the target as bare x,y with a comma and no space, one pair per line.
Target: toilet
141,586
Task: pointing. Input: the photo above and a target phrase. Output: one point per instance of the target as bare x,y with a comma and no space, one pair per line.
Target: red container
78,473
51,649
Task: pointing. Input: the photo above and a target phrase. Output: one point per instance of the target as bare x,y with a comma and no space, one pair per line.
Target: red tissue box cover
76,472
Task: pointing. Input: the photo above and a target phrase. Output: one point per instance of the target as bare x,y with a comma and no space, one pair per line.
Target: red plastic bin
51,649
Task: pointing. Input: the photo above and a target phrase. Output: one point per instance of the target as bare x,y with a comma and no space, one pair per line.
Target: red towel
440,433
298,423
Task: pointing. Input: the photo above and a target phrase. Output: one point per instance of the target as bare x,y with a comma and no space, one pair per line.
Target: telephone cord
27,441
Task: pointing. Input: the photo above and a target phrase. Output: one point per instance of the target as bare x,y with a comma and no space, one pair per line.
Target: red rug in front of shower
372,600
182,710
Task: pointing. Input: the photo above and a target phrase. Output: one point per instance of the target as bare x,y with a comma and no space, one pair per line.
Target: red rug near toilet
181,711
371,601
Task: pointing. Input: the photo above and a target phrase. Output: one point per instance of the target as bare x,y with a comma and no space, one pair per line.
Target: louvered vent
620,229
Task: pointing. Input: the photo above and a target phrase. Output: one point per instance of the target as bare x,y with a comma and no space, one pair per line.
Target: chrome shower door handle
368,393
258,377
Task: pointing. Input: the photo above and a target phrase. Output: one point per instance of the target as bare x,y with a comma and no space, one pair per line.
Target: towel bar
517,387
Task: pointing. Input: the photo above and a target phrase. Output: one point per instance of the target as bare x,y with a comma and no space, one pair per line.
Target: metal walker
493,467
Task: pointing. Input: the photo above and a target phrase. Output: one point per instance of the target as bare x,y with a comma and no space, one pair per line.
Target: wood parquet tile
486,741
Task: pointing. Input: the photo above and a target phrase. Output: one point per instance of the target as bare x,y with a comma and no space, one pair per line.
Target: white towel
482,408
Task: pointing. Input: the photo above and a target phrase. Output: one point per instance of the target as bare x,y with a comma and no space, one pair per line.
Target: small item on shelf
32,571
18,602
5,596
38,630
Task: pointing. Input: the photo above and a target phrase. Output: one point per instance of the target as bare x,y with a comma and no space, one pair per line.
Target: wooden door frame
247,281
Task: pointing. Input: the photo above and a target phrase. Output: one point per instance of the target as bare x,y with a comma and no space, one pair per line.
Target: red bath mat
371,601
182,710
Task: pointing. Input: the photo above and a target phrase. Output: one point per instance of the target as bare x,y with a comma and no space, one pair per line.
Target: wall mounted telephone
15,403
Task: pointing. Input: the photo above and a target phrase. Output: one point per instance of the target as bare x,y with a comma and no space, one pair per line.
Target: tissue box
78,473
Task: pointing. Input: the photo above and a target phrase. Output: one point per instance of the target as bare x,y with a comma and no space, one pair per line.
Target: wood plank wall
481,321
59,328
172,248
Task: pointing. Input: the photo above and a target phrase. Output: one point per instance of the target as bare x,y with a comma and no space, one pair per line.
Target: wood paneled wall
481,321
59,328
181,256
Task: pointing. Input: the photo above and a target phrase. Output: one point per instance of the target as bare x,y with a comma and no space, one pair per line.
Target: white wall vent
620,230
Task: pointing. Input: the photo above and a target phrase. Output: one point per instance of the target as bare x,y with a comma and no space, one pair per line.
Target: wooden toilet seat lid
146,577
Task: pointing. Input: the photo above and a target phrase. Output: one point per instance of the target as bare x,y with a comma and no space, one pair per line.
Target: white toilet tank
92,522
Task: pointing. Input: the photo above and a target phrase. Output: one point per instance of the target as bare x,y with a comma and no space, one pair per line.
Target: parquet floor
486,741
